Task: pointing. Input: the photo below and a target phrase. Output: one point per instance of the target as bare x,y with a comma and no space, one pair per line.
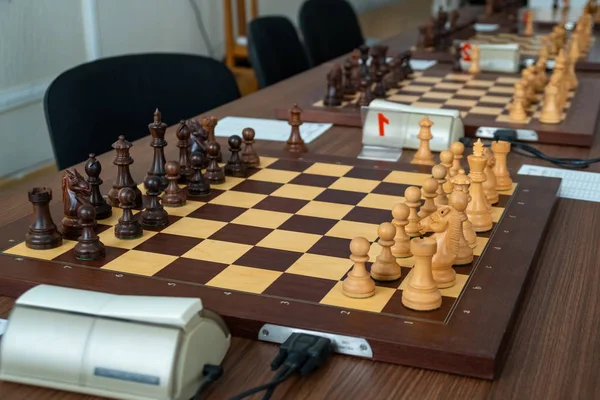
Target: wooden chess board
274,248
482,100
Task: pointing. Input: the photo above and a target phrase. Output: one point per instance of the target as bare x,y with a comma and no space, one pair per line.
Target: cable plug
303,352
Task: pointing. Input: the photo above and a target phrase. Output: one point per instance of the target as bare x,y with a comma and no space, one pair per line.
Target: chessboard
482,100
271,250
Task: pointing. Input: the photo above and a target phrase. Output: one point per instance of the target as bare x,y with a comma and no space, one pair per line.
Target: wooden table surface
552,354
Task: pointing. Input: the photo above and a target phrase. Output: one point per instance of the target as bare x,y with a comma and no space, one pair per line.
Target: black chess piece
157,130
154,214
198,186
183,143
124,179
42,233
457,57
128,226
333,97
349,88
249,156
93,168
235,166
198,139
406,57
364,99
214,173
174,196
364,58
89,247
379,91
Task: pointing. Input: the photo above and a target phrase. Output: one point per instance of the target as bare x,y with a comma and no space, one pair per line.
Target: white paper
3,325
422,65
578,185
486,27
268,129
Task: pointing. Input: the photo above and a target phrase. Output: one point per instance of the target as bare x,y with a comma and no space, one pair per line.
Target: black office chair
275,50
330,29
89,106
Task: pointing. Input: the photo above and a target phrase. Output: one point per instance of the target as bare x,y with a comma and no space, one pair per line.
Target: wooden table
552,354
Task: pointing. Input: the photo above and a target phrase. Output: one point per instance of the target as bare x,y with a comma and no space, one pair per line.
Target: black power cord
301,353
211,373
510,136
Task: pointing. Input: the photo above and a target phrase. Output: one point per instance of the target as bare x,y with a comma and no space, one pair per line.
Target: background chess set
284,231
529,46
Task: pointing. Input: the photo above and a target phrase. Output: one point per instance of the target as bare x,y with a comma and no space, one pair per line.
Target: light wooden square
262,218
288,240
461,103
463,114
381,201
244,279
114,218
328,169
509,191
417,89
480,245
438,95
459,77
480,83
429,79
274,175
318,266
495,99
322,209
406,178
186,209
21,250
266,161
486,110
355,185
217,251
508,79
239,199
194,227
109,239
140,263
471,92
376,303
449,86
298,192
351,229
230,182
403,98
501,89
497,213
427,105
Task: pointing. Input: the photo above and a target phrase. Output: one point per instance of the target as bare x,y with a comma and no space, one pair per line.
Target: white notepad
268,129
578,185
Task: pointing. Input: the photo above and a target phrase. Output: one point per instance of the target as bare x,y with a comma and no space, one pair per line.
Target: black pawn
89,247
214,173
93,169
198,186
456,66
128,226
364,99
235,166
379,91
154,214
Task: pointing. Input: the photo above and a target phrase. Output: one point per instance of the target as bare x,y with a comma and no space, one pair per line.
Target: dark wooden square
301,223
298,287
111,254
314,180
368,173
390,189
164,243
467,268
503,200
290,165
172,220
388,284
259,187
281,204
214,193
189,270
331,246
272,259
216,212
341,197
368,215
243,234
101,228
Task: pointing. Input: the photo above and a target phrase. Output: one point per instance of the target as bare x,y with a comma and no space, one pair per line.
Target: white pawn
401,247
385,267
429,190
358,283
439,173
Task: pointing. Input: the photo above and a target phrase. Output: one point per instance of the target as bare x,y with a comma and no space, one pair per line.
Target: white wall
41,38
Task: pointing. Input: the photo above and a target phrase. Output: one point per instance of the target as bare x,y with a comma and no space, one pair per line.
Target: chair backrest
330,29
275,50
89,106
